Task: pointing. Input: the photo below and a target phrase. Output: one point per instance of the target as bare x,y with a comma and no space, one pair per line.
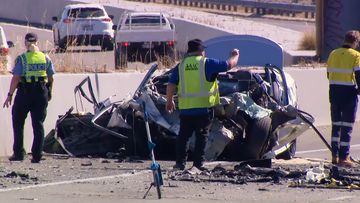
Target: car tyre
121,61
107,46
62,46
257,137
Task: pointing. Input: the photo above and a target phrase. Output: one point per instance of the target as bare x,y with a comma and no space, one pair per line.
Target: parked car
5,58
257,117
83,24
144,37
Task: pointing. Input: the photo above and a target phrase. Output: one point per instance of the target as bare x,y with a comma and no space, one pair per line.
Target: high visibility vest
341,65
194,91
34,66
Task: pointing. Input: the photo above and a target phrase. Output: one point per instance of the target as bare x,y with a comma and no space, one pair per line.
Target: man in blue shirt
194,80
33,78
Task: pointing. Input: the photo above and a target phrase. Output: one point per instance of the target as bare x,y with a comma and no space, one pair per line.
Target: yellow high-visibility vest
341,65
34,64
194,91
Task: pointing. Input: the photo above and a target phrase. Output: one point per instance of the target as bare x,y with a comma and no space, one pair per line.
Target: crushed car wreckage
257,117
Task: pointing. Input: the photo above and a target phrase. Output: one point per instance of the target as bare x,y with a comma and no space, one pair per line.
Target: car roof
71,6
145,13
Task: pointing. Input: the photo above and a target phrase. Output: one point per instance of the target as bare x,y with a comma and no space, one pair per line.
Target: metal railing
247,6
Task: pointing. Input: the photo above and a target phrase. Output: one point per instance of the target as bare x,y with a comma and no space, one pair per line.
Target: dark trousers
200,124
31,98
342,117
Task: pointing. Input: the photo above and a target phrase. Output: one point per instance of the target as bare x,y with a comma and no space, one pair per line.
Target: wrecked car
257,117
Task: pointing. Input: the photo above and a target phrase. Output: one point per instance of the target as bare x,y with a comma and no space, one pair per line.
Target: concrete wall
120,84
312,98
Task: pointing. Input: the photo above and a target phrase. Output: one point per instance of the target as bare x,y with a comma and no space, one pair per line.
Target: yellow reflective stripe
335,139
36,73
202,76
345,124
336,123
333,82
181,78
356,68
339,70
344,144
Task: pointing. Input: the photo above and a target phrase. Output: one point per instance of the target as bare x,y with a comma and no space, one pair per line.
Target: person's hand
7,102
235,52
170,106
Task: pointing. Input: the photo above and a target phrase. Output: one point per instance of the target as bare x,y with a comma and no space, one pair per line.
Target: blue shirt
212,68
19,69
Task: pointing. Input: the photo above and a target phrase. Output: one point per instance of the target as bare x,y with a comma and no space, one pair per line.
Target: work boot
335,160
35,161
348,163
201,168
16,158
179,167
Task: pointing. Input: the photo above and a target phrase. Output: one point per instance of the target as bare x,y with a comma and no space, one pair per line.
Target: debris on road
322,176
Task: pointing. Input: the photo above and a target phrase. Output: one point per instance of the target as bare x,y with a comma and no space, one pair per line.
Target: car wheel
117,57
123,57
289,153
62,46
107,46
257,137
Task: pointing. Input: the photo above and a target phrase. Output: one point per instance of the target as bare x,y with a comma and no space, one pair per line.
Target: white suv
83,24
5,60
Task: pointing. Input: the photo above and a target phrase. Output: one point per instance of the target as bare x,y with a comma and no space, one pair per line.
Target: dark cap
352,36
195,45
31,37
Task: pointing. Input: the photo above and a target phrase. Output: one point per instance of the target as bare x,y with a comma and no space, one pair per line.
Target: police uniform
32,96
343,69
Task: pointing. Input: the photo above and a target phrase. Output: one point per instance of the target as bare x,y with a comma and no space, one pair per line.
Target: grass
308,41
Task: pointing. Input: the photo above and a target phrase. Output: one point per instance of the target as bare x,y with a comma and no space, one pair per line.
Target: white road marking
341,198
74,181
323,150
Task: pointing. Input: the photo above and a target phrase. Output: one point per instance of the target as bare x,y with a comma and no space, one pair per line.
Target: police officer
197,90
342,65
33,79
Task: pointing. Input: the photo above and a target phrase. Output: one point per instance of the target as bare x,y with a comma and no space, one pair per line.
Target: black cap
352,36
31,37
195,45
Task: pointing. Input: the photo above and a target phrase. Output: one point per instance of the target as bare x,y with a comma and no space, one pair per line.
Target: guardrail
247,6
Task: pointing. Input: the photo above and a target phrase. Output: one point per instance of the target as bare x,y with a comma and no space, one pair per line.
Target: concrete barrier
120,84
